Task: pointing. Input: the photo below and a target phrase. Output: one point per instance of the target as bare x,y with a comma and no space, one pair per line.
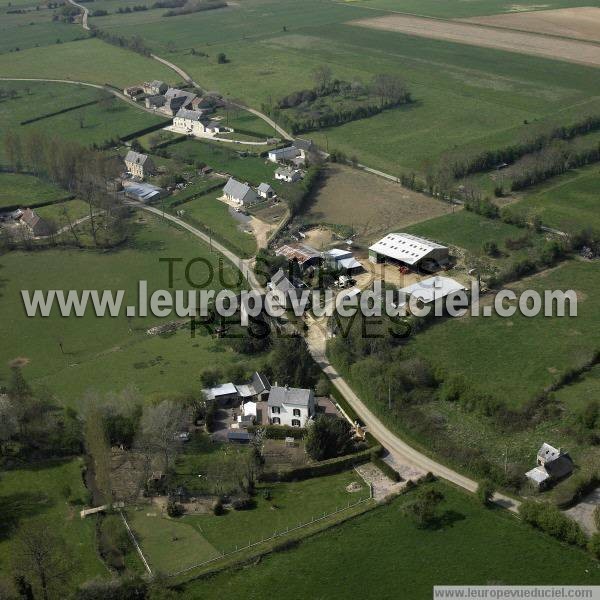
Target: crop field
569,203
17,189
90,60
488,37
173,544
370,205
107,353
209,212
494,545
453,9
37,492
489,351
581,23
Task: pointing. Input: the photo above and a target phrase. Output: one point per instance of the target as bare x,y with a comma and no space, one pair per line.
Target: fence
135,543
276,534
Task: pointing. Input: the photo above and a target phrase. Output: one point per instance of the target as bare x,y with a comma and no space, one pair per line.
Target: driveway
583,512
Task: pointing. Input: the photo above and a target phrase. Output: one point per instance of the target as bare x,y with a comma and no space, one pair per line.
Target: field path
85,14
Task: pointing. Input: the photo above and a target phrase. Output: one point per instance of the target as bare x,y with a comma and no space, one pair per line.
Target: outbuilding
410,250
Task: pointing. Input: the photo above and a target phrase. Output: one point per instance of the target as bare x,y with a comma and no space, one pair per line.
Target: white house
290,406
288,174
553,464
266,191
189,121
240,193
139,165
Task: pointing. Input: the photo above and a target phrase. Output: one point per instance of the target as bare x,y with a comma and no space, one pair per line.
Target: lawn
220,219
383,551
172,545
569,203
17,189
38,491
90,60
75,209
108,353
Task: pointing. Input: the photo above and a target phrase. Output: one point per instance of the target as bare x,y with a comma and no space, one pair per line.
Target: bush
594,545
485,492
243,503
327,438
174,509
218,508
549,519
597,517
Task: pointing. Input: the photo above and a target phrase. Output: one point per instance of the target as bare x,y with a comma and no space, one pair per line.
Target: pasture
368,205
174,544
569,203
109,353
90,60
386,550
52,492
18,189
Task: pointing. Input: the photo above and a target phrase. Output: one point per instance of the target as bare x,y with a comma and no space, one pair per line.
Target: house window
296,412
295,422
276,421
275,410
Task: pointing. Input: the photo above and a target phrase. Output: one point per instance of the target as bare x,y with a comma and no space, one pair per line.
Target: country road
316,341
84,18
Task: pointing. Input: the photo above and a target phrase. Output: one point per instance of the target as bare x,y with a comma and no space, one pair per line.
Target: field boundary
135,543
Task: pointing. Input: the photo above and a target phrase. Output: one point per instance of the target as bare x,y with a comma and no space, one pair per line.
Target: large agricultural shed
409,250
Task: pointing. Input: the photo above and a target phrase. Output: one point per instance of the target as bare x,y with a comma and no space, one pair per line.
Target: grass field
36,491
490,352
209,212
24,190
204,536
76,209
107,353
569,203
371,206
90,60
389,555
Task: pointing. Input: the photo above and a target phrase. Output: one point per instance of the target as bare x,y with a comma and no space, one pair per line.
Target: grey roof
176,93
539,475
143,191
278,396
548,452
281,282
303,144
136,157
432,288
191,115
260,383
157,83
239,436
238,190
265,187
559,467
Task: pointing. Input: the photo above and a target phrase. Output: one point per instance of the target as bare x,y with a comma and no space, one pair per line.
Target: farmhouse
304,255
342,260
143,192
432,289
290,406
553,464
288,174
241,193
139,165
189,121
407,249
225,393
34,223
176,99
279,282
266,191
154,88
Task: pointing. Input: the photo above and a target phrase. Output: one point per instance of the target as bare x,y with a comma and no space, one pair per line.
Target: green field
210,213
17,189
90,60
569,203
383,552
514,358
96,123
36,491
203,536
107,353
76,209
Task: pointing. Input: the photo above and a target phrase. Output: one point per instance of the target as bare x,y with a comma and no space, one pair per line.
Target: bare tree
322,77
98,447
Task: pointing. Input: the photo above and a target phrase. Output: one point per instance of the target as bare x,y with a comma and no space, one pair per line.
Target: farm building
139,165
553,464
256,390
34,223
240,193
133,91
154,88
304,255
176,99
407,249
433,289
155,101
223,394
290,406
280,282
342,260
189,121
288,174
266,191
143,192
283,154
